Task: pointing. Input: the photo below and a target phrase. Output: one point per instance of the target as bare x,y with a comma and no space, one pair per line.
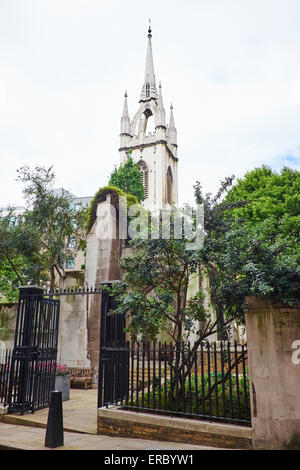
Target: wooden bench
82,377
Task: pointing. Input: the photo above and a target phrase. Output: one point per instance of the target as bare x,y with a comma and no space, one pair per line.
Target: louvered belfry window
145,176
147,90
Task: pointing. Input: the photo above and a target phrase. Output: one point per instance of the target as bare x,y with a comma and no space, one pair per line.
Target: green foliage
250,265
200,396
251,246
153,292
9,280
227,297
51,218
62,369
18,256
273,202
156,279
258,254
128,178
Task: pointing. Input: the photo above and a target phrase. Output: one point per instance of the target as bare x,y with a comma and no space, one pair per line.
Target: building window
169,186
70,263
147,90
12,221
71,243
145,177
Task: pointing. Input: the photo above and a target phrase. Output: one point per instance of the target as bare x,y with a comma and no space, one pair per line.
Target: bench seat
82,377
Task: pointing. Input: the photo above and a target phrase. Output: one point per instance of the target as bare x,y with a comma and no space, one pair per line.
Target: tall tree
273,203
261,251
240,257
19,257
51,216
154,292
157,275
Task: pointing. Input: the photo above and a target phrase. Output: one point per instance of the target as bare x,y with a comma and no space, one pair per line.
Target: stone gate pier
273,337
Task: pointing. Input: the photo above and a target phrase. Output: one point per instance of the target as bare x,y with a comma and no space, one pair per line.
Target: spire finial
149,29
125,95
149,90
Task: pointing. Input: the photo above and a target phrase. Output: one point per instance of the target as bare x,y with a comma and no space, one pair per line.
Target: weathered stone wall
272,332
72,336
8,315
103,254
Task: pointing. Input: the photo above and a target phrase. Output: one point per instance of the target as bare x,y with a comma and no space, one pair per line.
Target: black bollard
55,431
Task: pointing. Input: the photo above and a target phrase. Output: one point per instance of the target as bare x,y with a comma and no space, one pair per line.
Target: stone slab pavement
18,437
80,429
79,413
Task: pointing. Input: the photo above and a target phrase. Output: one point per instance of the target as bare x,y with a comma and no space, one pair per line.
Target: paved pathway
79,413
80,429
15,436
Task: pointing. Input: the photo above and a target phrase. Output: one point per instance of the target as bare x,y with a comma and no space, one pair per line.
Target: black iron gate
113,383
34,355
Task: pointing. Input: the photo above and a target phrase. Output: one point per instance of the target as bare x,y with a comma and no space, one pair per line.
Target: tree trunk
52,278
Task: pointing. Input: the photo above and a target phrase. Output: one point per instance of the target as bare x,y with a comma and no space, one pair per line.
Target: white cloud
230,68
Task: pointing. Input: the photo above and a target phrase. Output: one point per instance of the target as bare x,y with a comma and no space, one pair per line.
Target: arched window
169,186
145,176
147,90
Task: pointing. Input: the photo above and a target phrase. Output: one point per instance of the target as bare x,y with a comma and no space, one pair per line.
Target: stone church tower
155,151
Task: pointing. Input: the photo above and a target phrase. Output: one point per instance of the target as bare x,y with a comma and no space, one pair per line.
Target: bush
201,397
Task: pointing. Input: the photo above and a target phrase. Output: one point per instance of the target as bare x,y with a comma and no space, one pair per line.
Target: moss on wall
100,196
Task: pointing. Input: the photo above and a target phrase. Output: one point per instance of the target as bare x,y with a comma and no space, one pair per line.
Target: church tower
151,142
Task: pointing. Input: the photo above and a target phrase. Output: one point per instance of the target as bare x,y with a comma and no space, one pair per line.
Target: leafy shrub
209,396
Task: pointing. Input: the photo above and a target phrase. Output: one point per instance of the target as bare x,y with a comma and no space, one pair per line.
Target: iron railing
35,349
206,382
5,368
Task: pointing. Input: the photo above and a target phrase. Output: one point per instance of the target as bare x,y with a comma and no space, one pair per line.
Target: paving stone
79,414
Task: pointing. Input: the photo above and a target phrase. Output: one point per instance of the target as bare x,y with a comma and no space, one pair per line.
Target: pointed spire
160,101
125,108
125,120
172,132
149,87
161,114
172,122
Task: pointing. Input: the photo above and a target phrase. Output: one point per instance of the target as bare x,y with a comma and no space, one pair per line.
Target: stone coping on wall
265,305
116,421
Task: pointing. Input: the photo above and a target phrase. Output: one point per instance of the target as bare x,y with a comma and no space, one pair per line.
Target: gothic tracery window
145,176
169,186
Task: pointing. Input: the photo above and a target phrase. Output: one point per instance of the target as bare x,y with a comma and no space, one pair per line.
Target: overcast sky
231,68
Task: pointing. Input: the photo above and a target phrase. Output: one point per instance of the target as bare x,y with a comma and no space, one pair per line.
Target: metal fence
208,382
5,368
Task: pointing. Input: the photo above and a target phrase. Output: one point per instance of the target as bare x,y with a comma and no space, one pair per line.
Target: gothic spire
172,122
125,120
161,115
149,87
172,132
